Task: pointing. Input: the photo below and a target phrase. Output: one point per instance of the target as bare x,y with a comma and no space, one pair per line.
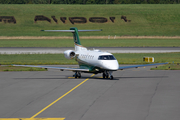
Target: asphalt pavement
134,94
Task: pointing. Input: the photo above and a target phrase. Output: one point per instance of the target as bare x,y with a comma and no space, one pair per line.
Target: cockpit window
106,57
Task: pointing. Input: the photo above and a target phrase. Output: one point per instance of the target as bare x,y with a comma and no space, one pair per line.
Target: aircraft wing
136,66
53,67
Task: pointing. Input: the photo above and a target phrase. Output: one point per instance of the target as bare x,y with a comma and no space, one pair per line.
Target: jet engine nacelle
69,54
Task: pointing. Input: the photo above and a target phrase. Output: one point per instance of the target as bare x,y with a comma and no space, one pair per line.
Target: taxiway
134,94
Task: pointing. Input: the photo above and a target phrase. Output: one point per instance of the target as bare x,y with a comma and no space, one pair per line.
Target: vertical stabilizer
76,36
77,43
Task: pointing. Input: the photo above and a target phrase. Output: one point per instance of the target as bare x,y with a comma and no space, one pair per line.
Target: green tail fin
76,35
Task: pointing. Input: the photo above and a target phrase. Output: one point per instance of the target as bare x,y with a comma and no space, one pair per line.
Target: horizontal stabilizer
73,30
88,30
70,30
58,30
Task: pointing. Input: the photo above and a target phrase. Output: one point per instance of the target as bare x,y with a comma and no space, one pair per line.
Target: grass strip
137,58
59,59
90,43
146,19
13,68
167,67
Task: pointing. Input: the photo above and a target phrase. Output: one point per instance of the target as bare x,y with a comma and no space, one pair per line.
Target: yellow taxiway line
60,97
33,117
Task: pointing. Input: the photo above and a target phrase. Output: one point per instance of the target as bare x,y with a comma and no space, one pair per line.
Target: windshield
106,57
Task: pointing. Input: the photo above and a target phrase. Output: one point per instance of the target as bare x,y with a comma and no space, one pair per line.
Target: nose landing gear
107,74
111,77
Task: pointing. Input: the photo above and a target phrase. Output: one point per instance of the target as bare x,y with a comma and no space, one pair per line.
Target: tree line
89,1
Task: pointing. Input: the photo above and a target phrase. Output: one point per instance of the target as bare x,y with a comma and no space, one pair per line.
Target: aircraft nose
111,65
114,66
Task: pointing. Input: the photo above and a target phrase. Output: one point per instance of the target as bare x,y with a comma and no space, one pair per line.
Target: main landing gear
107,74
77,75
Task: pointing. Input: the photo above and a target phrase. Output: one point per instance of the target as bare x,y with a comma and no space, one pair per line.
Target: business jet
90,61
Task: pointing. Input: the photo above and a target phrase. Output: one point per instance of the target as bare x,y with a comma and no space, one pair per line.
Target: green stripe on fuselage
92,68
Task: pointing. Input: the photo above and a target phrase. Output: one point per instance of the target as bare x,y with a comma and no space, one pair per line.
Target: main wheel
76,76
111,77
79,74
104,76
107,75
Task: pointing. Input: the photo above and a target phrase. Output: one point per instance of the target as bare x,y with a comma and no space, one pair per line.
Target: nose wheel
107,74
111,77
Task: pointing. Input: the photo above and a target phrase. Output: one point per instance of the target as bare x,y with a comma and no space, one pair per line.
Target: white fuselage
95,59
